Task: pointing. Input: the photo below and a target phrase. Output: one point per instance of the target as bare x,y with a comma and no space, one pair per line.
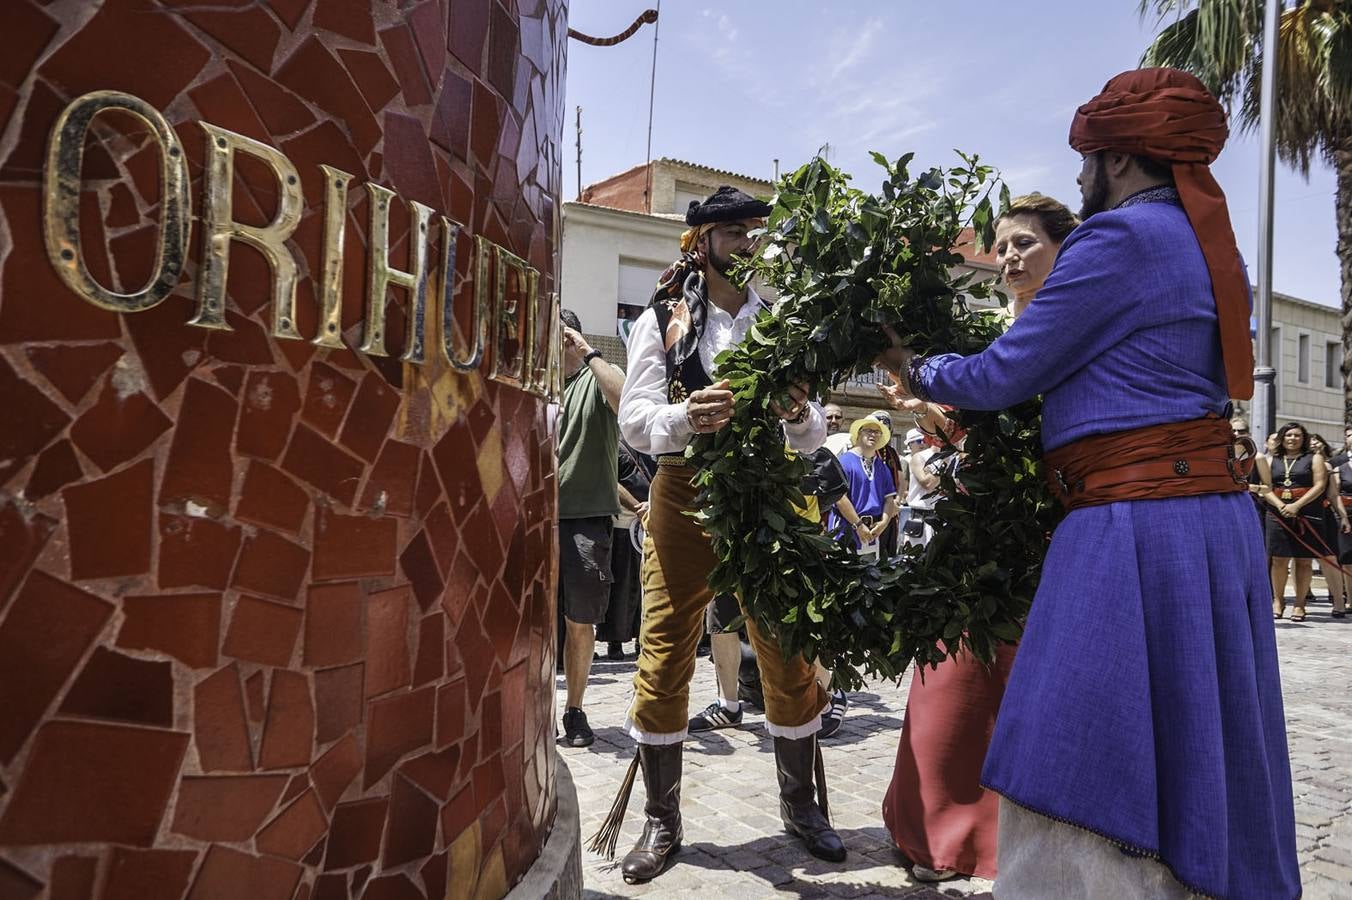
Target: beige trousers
677,559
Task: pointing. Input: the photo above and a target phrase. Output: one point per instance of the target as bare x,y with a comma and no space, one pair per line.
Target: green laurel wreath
847,263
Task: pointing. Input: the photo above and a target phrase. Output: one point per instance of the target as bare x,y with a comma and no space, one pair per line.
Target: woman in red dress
937,811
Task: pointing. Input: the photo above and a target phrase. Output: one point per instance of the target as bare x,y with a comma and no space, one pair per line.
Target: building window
1333,361
638,279
1303,359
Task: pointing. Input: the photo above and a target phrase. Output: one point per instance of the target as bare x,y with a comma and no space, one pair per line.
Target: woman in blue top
863,511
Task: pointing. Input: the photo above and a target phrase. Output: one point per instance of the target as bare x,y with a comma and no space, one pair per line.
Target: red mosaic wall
275,621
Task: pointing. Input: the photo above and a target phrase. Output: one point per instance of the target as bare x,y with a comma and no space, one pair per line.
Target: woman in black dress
1335,520
1341,476
1296,530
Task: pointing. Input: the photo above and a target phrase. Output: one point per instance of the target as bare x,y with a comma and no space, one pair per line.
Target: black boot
661,838
795,761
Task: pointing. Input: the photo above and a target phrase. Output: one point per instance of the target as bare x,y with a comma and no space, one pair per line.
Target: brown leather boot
661,838
795,761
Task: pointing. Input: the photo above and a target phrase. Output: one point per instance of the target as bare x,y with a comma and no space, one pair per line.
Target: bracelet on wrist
594,354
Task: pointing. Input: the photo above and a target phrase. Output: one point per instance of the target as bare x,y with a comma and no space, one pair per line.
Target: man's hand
709,409
575,347
797,403
642,512
896,358
899,395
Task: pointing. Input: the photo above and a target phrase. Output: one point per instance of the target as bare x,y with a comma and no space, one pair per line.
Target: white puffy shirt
649,423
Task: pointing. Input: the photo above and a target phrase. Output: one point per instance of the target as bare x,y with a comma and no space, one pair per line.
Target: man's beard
723,264
1096,201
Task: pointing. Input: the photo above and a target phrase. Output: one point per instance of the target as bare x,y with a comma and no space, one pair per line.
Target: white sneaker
925,873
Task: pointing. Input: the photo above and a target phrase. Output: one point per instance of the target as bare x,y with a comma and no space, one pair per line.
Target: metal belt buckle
1286,495
1061,480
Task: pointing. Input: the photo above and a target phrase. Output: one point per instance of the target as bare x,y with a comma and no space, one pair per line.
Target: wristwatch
595,354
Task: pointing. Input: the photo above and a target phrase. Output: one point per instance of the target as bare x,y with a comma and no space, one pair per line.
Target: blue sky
741,83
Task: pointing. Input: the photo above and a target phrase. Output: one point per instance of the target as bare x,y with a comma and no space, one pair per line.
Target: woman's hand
709,409
1289,511
898,393
1346,526
798,399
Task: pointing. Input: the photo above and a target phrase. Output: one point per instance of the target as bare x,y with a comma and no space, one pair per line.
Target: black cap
727,204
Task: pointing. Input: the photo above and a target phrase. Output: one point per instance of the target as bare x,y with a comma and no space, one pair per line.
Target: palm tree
1221,42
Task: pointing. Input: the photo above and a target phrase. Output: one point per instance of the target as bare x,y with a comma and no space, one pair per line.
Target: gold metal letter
61,202
538,376
219,228
511,350
477,337
382,275
331,279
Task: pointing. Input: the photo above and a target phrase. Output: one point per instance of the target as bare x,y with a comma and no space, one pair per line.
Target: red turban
1170,116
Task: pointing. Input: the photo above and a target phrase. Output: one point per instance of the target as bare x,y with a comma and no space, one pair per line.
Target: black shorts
584,568
721,612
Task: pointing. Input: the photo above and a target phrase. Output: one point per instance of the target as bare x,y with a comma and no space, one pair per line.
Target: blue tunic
1145,703
866,494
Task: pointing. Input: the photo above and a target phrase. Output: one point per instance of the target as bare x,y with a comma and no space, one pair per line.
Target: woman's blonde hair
1054,216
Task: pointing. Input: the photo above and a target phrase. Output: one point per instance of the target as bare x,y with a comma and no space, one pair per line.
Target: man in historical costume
671,394
1141,748
588,503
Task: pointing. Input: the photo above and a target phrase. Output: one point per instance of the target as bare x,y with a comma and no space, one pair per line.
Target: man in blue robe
1140,750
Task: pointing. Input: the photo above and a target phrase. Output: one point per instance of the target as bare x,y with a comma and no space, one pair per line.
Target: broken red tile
225,808
137,874
30,28
271,400
451,712
222,102
421,570
295,829
23,534
411,827
457,464
387,653
185,626
166,347
196,551
391,887
353,546
249,32
230,873
504,53
431,661
313,73
433,772
122,688
73,368
334,771
328,144
443,538
354,833
288,737
389,489
262,631
331,887
459,814
350,18
338,701
83,58
333,624
250,287
57,467
369,71
322,465
49,627
62,315
280,110
450,121
200,467
469,30
17,884
327,398
433,874
229,377
72,878
62,798
408,67
270,564
28,420
220,731
253,696
399,724
370,418
408,161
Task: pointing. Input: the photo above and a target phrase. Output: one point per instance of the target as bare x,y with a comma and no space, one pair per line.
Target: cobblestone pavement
735,846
